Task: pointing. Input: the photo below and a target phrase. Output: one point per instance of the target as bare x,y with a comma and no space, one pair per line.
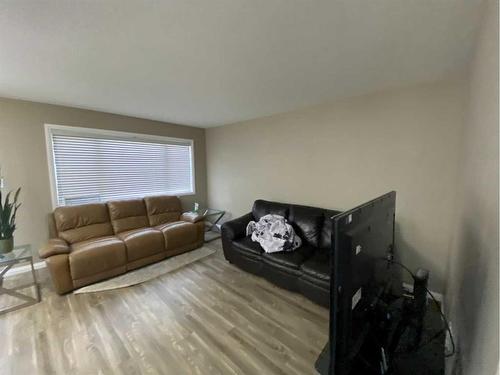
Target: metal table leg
37,287
13,292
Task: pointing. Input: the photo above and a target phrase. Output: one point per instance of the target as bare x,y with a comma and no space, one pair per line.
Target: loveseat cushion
163,209
178,234
262,208
247,247
82,222
291,259
95,256
128,214
318,266
142,243
307,222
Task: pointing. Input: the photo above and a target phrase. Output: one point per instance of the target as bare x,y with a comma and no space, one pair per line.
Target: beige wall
472,293
23,156
340,155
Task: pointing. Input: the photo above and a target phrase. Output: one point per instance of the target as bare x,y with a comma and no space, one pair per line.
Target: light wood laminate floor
206,318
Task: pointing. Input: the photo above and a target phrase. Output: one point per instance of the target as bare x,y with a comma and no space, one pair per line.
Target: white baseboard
25,268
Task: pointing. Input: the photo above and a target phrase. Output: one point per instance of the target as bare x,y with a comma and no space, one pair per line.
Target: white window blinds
98,167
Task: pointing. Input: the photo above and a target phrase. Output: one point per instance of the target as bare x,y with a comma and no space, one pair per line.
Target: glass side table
20,254
212,217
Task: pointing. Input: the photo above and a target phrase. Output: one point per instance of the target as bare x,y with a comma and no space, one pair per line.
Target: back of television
374,324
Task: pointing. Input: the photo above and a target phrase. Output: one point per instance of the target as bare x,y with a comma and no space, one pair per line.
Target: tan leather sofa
98,241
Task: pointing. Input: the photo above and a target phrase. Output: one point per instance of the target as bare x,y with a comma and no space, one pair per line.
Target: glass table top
208,211
20,252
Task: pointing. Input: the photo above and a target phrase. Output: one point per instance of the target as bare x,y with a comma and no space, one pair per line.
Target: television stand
323,360
427,359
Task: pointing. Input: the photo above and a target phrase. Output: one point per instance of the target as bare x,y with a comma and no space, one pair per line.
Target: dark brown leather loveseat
305,270
98,241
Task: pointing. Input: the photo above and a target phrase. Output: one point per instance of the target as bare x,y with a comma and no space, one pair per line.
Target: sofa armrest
60,272
192,217
55,246
236,228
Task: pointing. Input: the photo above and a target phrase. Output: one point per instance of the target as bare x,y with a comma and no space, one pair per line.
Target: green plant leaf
16,195
8,212
7,198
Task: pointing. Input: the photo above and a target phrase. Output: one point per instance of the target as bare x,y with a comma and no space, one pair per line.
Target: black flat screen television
362,238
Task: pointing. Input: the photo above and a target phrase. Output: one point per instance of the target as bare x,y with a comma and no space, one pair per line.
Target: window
91,165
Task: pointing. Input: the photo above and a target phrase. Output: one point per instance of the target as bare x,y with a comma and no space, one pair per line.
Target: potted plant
8,212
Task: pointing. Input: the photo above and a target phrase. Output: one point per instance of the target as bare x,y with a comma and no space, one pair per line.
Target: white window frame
51,129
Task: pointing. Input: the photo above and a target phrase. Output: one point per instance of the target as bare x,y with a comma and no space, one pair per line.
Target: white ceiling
207,63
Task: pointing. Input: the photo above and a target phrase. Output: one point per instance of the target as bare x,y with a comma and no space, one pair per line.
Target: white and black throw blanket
274,234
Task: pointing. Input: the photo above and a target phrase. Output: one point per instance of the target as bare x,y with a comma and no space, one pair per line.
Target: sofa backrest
163,209
327,230
312,224
262,208
307,222
128,215
83,222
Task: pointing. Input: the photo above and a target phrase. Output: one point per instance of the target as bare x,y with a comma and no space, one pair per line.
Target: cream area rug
149,272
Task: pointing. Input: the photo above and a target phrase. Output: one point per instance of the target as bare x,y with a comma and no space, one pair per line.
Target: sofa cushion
95,256
178,234
247,247
83,222
163,209
307,222
128,214
315,289
142,243
318,266
262,208
292,259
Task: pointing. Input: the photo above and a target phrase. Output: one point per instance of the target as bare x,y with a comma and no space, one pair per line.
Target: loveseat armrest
192,217
55,246
236,228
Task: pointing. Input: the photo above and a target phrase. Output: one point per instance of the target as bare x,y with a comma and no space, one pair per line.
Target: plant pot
7,245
